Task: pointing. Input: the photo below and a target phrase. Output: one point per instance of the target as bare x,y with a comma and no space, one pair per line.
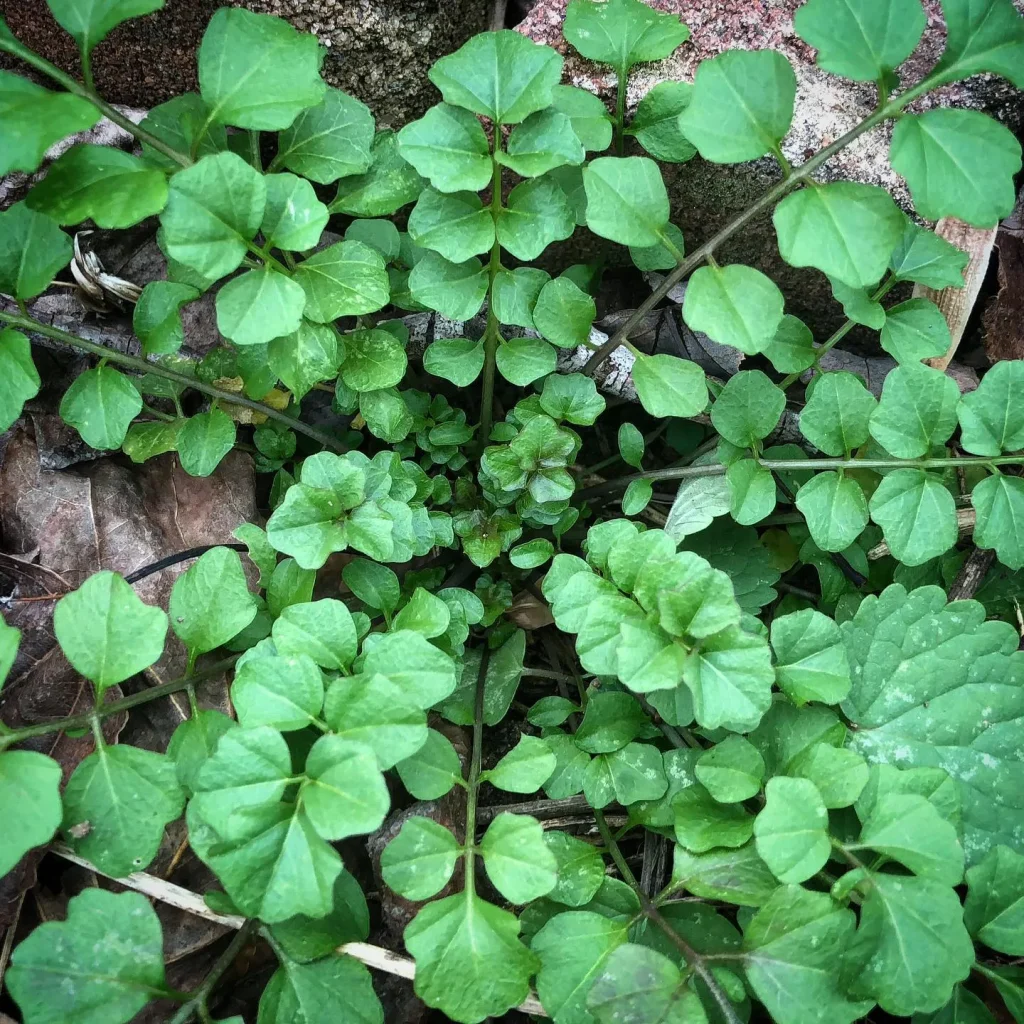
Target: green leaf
791,349
634,773
256,71
741,107
147,440
91,21
294,218
858,305
730,677
955,668
387,186
424,613
203,440
258,306
928,258
573,949
210,602
304,358
10,637
580,869
114,189
502,75
323,629
563,313
753,491
835,509
32,250
517,860
908,829
610,721
381,235
181,122
375,585
432,770
525,768
538,213
917,514
957,163
101,404
19,379
964,1007
836,417
521,361
470,963
127,796
731,771
35,118
860,39
622,32
29,802
747,409
373,359
285,692
455,289
640,984
631,445
458,360
844,229
659,257
994,909
626,199
545,140
917,411
344,793
734,305
448,146
991,418
702,823
811,661
986,36
791,832
420,860
515,293
328,141
921,948
915,330
193,743
570,766
64,970
667,386
423,673
345,279
214,208
314,991
999,504
737,876
572,397
157,317
106,632
587,115
456,225
793,947
839,774
656,124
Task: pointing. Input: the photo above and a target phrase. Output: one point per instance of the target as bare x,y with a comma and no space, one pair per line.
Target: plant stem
620,111
197,1002
693,959
491,332
116,707
799,466
799,175
143,366
473,782
86,92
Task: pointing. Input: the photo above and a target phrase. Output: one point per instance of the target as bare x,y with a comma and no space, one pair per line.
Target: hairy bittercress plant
827,772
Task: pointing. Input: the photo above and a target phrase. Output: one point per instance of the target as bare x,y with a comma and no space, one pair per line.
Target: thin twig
224,961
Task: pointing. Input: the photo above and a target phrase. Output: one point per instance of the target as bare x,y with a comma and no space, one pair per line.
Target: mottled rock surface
379,50
706,196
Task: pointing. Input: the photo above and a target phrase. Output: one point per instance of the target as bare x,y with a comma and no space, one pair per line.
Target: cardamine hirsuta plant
836,774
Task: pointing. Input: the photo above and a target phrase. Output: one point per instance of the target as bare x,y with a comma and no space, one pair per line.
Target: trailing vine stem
800,174
86,719
197,1001
798,466
649,910
491,331
473,782
144,366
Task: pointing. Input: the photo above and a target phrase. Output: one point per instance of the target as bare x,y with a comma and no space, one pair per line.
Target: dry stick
799,175
143,366
184,899
971,574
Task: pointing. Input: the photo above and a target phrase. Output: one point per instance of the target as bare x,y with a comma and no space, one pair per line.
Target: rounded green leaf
304,358
580,869
811,661
626,199
203,440
917,514
455,289
420,860
957,163
458,360
668,386
791,832
999,503
587,114
517,859
563,313
29,803
344,793
157,317
106,631
284,692
641,984
660,256
322,629
992,416
257,71
99,183
731,771
572,397
345,279
331,985
656,124
532,554
448,146
915,330
742,105
545,140
992,911
258,306
747,409
211,602
19,379
733,305
917,411
294,218
89,23
101,404
524,360
836,417
791,349
623,32
387,186
456,225
537,214
32,250
753,491
835,509
844,229
432,770
928,258
702,823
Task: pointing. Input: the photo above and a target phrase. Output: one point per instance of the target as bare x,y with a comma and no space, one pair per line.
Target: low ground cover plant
835,772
